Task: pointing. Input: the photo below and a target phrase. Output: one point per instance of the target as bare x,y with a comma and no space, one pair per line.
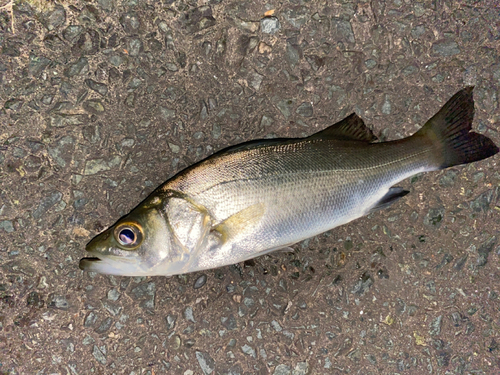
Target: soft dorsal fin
352,128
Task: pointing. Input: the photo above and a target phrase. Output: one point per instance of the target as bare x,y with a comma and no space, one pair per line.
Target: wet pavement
101,101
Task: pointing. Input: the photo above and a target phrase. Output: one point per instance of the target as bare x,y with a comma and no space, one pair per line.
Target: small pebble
200,281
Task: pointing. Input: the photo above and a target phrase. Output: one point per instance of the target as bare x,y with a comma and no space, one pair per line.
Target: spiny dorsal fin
352,128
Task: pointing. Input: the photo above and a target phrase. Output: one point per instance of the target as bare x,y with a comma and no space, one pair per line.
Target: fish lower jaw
109,266
87,264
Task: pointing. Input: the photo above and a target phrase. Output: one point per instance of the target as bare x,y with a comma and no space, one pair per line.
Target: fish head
139,244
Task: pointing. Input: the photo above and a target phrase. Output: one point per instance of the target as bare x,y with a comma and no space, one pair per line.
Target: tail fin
449,130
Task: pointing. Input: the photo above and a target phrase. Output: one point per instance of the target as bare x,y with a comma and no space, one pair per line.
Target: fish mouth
85,263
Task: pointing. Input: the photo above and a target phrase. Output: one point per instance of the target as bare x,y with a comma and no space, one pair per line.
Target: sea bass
261,196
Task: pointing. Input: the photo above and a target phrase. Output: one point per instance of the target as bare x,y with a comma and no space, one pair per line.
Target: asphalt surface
101,101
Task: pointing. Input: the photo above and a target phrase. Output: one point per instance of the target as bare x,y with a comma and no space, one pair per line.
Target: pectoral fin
240,222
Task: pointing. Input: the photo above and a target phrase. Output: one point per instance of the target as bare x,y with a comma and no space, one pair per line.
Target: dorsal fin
352,128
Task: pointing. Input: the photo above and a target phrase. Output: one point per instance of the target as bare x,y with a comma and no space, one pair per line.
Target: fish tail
449,132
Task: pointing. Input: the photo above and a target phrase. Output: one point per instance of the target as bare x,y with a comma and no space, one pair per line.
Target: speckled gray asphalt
101,101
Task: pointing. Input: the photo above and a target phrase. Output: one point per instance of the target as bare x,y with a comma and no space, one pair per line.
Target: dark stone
11,48
412,310
76,219
7,226
72,33
32,163
484,250
418,31
80,203
342,30
434,217
293,52
447,258
134,46
62,106
448,179
57,302
197,19
305,109
107,4
53,42
445,48
315,62
34,300
456,318
145,292
90,319
493,346
113,41
206,362
130,22
62,151
67,88
105,325
79,67
182,59
189,343
46,203
443,359
200,281
154,45
482,202
89,15
60,120
296,16
459,264
285,106
99,355
435,326
88,43
229,322
13,104
100,88
94,106
55,18
114,74
47,99
170,321
363,284
269,25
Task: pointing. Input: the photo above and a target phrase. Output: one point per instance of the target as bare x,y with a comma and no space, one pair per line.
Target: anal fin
393,195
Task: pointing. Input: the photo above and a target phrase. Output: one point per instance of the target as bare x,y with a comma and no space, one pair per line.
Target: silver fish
266,195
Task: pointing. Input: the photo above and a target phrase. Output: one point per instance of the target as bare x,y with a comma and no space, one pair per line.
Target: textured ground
101,101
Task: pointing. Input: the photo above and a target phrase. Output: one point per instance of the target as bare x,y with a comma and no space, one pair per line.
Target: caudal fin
449,130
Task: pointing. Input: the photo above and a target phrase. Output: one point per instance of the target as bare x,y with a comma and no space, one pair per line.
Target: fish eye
128,235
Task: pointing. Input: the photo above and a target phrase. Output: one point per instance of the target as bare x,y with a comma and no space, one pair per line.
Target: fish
266,195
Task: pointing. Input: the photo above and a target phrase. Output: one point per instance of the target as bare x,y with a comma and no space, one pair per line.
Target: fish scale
345,188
